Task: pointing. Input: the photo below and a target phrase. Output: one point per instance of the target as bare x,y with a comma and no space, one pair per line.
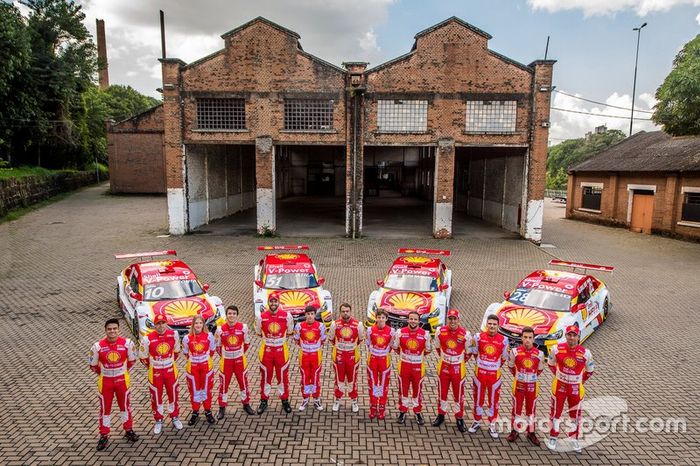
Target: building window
308,115
220,114
402,116
491,116
691,207
591,197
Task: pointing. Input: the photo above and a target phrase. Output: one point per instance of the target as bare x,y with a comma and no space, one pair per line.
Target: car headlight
150,324
552,336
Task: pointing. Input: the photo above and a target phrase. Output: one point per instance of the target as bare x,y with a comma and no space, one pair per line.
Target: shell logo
451,344
380,340
527,363
525,317
294,299
274,327
407,301
199,347
412,344
570,363
287,257
309,335
346,332
416,260
232,340
183,308
490,350
163,349
113,356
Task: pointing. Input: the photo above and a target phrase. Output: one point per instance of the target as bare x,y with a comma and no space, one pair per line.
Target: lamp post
634,84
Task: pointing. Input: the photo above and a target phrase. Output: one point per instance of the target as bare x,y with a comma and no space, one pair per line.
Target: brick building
649,182
458,128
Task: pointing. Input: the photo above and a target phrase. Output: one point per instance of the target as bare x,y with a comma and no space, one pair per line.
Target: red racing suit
199,349
310,338
232,343
346,338
159,353
274,328
525,365
112,361
452,346
379,342
571,368
491,352
412,346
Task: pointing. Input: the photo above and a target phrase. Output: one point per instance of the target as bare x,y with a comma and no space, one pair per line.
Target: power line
601,103
597,114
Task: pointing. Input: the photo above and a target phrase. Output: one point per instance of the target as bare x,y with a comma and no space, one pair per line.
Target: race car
414,283
550,300
293,279
164,286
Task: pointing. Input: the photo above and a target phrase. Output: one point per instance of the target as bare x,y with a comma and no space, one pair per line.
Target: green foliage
573,151
678,109
21,172
124,102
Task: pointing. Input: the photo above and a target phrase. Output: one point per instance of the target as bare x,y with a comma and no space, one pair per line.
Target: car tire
606,308
135,328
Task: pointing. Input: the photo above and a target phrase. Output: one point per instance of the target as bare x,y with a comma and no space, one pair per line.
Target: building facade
451,123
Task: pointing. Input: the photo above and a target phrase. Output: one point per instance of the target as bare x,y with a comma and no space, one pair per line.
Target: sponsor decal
570,362
406,270
490,350
527,363
416,260
411,344
183,308
287,257
380,340
274,327
199,347
309,335
158,278
295,299
515,319
232,340
451,344
408,301
288,268
163,349
113,356
346,332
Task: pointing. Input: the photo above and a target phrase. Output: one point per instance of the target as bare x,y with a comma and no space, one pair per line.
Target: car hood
513,318
181,311
403,302
295,301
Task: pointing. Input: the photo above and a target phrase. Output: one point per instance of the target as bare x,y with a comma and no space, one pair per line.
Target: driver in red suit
379,340
412,343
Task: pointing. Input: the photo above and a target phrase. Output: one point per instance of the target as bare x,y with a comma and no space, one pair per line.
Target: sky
592,40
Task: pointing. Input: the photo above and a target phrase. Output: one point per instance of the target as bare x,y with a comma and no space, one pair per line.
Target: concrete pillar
175,157
355,86
265,185
444,188
531,228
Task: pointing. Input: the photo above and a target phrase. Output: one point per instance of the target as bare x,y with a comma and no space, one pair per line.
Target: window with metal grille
220,113
491,116
308,114
402,116
591,198
691,207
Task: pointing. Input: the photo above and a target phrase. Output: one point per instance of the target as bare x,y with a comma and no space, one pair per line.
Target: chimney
102,67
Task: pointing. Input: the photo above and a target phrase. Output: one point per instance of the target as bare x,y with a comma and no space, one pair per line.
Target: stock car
293,279
414,283
164,286
550,300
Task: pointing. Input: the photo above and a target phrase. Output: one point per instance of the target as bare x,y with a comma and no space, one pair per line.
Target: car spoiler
580,265
430,252
169,252
283,248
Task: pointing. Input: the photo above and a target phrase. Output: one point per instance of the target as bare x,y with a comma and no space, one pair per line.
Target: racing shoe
475,427
286,406
382,413
372,412
221,414
158,427
532,438
193,419
263,406
419,419
438,420
402,418
552,443
102,443
336,406
576,446
248,409
210,417
355,406
131,436
513,436
303,404
177,423
318,405
493,431
460,426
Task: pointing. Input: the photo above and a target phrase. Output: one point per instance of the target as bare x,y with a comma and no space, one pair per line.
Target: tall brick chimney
102,67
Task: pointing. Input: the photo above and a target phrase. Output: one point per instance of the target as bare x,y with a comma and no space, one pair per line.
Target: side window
134,283
584,296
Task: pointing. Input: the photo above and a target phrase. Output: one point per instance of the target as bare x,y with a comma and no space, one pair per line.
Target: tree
678,109
124,102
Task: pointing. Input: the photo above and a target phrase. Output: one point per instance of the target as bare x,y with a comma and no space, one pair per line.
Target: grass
21,172
17,213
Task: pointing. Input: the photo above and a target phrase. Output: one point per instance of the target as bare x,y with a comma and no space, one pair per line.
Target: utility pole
634,83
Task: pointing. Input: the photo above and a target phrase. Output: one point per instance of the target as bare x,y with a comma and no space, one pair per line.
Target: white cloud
697,18
570,125
606,7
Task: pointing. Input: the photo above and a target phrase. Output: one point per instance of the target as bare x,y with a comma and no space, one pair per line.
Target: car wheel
119,301
135,328
606,308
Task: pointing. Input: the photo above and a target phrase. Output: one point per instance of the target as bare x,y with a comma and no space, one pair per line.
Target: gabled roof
644,152
263,20
458,21
138,116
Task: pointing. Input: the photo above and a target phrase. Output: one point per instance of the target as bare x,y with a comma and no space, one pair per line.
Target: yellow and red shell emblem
287,256
163,349
451,344
274,327
309,335
199,346
113,356
380,340
408,301
295,299
416,260
232,340
184,308
412,344
570,362
523,317
490,350
346,332
527,363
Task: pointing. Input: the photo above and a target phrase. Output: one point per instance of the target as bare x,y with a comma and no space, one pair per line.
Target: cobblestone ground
57,288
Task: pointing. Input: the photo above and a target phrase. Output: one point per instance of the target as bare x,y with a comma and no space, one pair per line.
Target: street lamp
634,84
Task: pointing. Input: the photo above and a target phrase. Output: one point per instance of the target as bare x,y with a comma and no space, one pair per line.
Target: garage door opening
398,191
488,191
310,190
221,188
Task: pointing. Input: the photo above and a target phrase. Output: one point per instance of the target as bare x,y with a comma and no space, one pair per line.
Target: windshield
171,290
407,282
541,299
290,281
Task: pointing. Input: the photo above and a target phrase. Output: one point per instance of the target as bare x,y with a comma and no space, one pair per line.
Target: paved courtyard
57,277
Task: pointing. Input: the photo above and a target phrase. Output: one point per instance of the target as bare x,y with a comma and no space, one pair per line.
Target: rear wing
169,252
297,247
429,252
580,265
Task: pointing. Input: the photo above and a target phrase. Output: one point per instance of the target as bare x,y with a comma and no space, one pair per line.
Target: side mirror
506,294
205,287
578,308
259,283
443,287
380,283
136,296
321,280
